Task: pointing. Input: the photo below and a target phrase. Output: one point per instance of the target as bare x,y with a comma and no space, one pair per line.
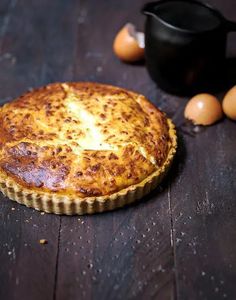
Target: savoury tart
76,148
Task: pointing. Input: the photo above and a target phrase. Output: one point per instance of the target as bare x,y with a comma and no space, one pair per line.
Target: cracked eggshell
129,44
203,109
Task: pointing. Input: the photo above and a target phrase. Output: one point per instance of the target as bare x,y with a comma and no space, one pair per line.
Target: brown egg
229,103
129,44
203,109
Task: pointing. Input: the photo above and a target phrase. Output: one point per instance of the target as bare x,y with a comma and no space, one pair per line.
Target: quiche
81,148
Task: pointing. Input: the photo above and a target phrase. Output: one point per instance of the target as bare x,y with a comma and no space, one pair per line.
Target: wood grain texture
177,243
204,216
33,53
125,254
203,204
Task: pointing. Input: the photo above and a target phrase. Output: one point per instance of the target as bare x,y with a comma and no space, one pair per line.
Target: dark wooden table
179,242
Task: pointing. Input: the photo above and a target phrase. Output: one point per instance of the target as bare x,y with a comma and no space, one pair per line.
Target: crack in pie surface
72,147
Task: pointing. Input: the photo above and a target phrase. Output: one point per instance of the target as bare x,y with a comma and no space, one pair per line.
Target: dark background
179,242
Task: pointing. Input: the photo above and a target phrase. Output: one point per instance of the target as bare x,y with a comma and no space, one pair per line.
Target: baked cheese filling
83,139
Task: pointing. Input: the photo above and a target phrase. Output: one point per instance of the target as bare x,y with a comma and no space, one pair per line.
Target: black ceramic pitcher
185,45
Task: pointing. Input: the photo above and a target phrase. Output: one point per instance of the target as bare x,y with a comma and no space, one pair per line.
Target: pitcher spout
149,9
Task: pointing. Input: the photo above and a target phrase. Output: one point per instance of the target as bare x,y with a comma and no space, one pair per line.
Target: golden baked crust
81,141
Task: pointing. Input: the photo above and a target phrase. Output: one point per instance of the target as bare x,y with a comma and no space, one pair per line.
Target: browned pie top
83,139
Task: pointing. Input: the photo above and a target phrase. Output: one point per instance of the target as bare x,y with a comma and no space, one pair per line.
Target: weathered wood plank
36,47
204,208
124,254
117,255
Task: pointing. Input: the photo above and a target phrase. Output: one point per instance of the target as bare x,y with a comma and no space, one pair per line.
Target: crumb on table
43,241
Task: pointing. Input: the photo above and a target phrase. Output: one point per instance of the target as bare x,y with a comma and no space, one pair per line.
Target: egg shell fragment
203,109
127,45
